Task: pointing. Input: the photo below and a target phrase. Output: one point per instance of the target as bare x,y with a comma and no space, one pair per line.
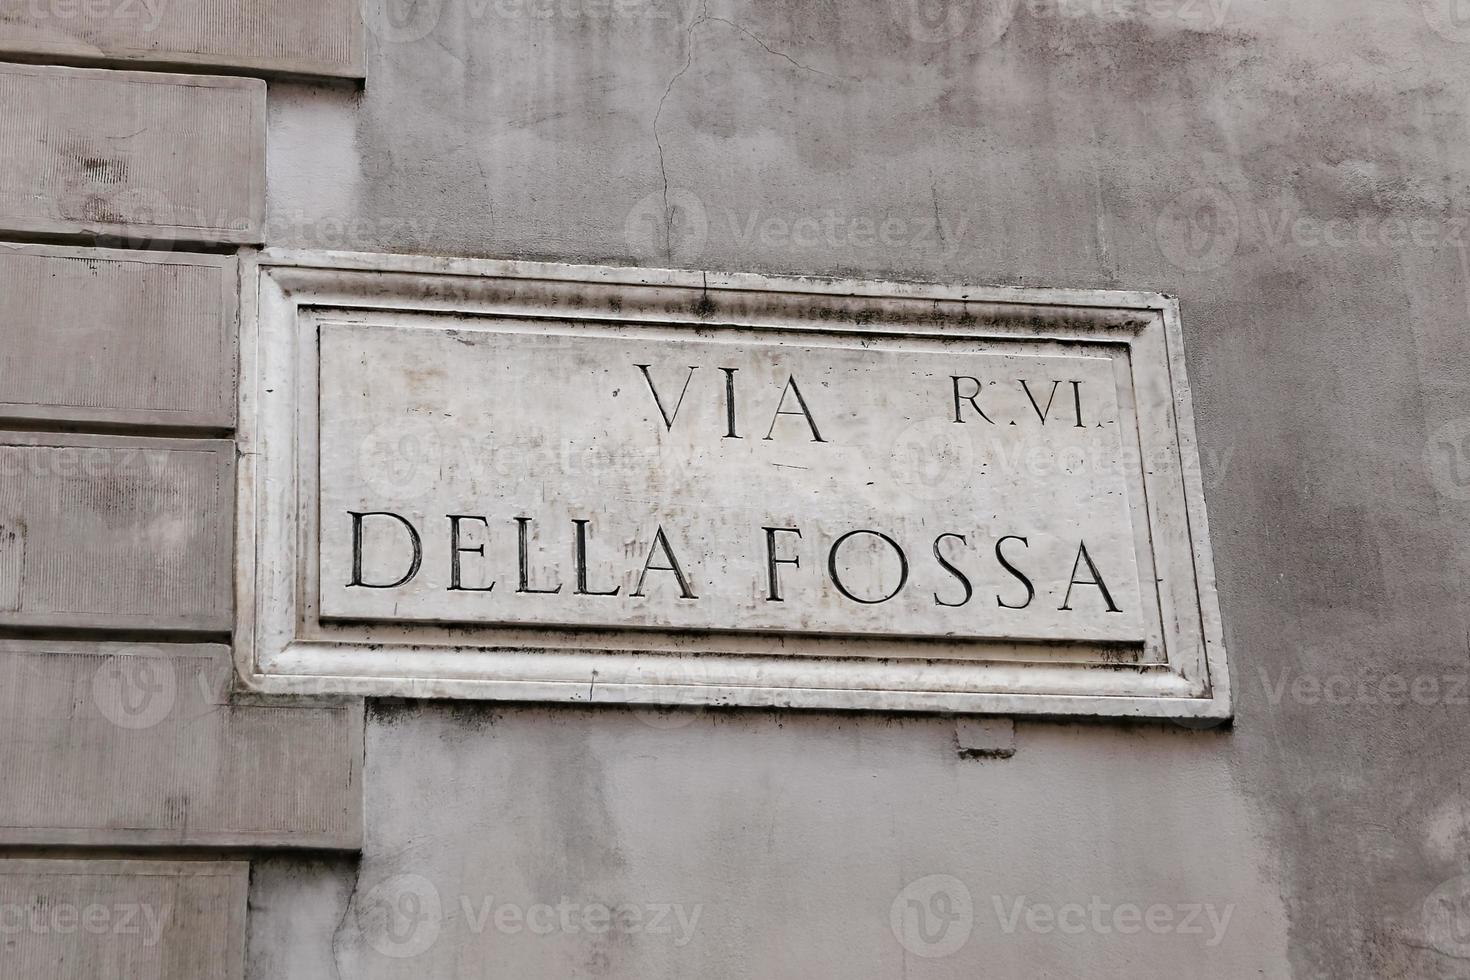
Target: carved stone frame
281,647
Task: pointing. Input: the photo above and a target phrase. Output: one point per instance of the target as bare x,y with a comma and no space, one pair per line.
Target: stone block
322,38
110,920
100,532
985,738
112,336
126,744
139,158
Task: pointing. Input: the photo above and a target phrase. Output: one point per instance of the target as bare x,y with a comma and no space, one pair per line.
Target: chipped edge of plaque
312,667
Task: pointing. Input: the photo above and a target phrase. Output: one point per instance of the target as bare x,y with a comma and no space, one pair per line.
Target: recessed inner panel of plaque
502,472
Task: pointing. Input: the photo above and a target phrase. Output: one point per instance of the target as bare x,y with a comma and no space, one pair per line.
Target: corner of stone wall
139,781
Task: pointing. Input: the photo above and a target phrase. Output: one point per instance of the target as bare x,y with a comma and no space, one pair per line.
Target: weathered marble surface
535,481
554,474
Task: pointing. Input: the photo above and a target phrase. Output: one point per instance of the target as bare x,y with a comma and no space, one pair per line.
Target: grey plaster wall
1297,174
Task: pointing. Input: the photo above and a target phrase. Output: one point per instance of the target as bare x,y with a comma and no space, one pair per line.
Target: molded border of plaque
281,647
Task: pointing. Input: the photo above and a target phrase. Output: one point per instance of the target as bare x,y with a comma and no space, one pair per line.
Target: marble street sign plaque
481,479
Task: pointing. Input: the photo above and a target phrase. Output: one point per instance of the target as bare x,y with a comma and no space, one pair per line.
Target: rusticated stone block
323,37
142,157
144,920
104,532
106,335
123,744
